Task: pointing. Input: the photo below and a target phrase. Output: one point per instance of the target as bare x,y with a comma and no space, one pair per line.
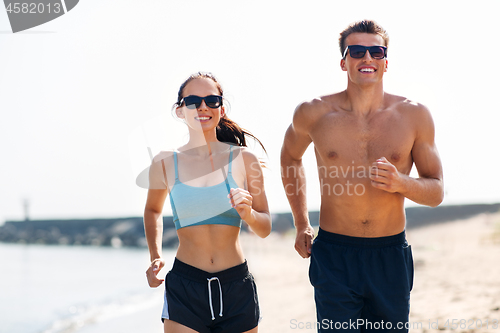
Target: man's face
365,70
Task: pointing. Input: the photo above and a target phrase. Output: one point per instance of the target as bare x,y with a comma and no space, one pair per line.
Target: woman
214,182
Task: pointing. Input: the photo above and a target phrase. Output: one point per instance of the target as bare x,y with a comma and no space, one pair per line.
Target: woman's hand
152,272
241,200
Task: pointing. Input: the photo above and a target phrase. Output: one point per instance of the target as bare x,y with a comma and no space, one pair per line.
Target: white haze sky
83,96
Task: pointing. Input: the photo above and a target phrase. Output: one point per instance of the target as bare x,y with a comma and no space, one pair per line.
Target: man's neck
364,100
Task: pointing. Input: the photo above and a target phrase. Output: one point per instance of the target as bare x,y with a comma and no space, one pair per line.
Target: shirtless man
366,142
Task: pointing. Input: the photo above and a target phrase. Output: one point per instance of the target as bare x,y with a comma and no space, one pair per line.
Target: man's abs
371,214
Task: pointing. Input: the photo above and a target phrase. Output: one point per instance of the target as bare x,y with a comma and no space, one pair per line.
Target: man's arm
426,190
296,141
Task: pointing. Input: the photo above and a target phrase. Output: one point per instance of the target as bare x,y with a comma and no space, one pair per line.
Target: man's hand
152,272
386,176
303,241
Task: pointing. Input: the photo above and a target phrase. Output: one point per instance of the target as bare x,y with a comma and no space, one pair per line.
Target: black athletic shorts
220,302
361,284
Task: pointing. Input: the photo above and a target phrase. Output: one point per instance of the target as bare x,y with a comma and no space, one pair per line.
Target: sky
83,97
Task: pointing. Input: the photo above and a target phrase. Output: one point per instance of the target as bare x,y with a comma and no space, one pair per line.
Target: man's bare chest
346,141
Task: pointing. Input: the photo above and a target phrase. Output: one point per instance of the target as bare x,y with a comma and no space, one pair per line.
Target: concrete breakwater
118,232
96,232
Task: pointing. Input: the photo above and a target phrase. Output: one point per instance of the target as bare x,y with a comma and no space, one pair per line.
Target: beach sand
457,273
457,276
286,296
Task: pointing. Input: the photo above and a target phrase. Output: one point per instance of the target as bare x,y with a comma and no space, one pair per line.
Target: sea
64,289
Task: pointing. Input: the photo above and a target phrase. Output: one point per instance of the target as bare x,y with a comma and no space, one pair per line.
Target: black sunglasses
194,102
358,51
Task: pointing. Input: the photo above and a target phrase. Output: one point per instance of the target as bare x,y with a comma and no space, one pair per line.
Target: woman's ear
222,112
179,113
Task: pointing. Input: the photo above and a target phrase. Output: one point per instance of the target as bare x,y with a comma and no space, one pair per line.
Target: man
366,142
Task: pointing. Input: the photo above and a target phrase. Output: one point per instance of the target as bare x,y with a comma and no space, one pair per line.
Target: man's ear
342,65
386,65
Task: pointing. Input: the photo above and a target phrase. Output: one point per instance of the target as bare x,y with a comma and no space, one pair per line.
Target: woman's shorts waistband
195,274
368,242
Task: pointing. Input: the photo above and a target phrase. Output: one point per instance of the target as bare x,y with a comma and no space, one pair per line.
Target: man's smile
367,70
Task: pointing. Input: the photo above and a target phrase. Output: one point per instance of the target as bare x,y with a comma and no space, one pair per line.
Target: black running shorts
220,302
361,284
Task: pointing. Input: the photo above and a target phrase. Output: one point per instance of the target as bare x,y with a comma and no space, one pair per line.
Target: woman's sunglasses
358,51
194,102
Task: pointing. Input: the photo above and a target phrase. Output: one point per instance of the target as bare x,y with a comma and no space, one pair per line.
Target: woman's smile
203,118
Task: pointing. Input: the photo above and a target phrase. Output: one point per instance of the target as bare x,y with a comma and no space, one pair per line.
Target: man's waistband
367,242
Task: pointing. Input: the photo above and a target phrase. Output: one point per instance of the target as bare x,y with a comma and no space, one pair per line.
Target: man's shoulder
407,106
413,112
318,106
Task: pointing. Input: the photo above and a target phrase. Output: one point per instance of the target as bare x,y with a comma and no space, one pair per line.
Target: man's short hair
364,26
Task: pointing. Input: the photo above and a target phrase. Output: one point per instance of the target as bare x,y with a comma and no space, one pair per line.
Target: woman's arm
153,220
252,204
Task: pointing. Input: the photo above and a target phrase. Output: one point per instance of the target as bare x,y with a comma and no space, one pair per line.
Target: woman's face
203,117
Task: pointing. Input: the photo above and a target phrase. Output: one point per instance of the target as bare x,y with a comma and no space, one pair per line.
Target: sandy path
457,275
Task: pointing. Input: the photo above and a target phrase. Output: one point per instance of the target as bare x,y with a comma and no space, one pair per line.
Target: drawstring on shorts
210,296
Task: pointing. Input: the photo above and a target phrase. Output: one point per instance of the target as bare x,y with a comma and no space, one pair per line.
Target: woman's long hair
227,130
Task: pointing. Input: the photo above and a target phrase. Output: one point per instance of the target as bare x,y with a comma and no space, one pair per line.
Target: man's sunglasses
194,102
358,51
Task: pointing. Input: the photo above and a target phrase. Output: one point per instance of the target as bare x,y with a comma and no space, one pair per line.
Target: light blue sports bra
193,205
